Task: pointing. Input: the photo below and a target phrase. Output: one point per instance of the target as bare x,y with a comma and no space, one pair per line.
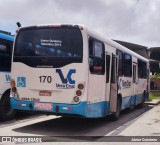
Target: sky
136,21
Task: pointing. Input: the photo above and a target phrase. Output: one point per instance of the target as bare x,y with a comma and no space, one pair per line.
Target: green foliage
157,75
154,95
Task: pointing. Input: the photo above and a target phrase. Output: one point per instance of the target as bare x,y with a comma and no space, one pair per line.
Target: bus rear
49,70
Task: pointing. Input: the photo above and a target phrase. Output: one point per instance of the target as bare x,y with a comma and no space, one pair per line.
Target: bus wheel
115,115
6,113
143,100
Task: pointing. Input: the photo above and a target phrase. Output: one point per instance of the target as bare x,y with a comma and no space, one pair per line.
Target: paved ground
66,126
147,124
136,122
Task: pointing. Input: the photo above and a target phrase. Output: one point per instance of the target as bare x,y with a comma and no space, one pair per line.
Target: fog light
76,99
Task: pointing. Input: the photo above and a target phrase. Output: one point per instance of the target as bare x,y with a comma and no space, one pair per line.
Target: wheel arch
119,96
7,91
145,94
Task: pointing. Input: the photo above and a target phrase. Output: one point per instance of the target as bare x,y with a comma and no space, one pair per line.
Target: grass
155,76
154,95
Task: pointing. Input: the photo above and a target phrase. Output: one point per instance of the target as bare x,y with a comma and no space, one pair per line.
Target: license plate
45,93
43,106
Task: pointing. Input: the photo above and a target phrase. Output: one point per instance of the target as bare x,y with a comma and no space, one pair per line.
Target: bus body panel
5,82
6,44
6,37
95,100
60,97
33,88
96,91
83,109
5,75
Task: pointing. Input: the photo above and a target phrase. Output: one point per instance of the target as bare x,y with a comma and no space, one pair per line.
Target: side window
127,65
96,57
114,70
107,67
120,62
134,73
3,48
98,49
142,69
5,55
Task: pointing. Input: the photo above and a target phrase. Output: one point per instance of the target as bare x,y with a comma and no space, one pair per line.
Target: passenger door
135,79
96,90
108,75
114,87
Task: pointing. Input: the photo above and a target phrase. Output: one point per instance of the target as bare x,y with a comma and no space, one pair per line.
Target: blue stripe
131,100
95,110
6,37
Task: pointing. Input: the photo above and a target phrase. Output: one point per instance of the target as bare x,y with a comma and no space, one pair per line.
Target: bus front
48,70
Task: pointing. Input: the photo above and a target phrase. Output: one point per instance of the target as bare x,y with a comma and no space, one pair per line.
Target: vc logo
67,79
8,78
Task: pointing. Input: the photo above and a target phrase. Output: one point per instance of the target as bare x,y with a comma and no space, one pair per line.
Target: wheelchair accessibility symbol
21,82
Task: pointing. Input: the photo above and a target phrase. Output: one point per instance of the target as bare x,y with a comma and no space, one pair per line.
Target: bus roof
102,38
6,36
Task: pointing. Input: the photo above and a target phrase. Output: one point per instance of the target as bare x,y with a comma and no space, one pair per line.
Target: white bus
6,44
68,70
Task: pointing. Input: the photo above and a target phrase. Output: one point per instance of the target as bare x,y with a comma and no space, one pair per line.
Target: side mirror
18,24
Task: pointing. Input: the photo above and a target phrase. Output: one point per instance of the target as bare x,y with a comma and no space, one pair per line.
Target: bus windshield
53,43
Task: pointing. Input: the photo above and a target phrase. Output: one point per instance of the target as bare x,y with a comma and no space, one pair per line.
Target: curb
156,102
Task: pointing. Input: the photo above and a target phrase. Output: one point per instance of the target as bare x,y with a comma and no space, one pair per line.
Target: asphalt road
68,128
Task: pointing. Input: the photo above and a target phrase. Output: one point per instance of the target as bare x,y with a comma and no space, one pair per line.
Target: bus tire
115,116
6,113
141,105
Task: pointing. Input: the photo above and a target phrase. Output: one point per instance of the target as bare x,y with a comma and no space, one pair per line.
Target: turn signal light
13,84
80,86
